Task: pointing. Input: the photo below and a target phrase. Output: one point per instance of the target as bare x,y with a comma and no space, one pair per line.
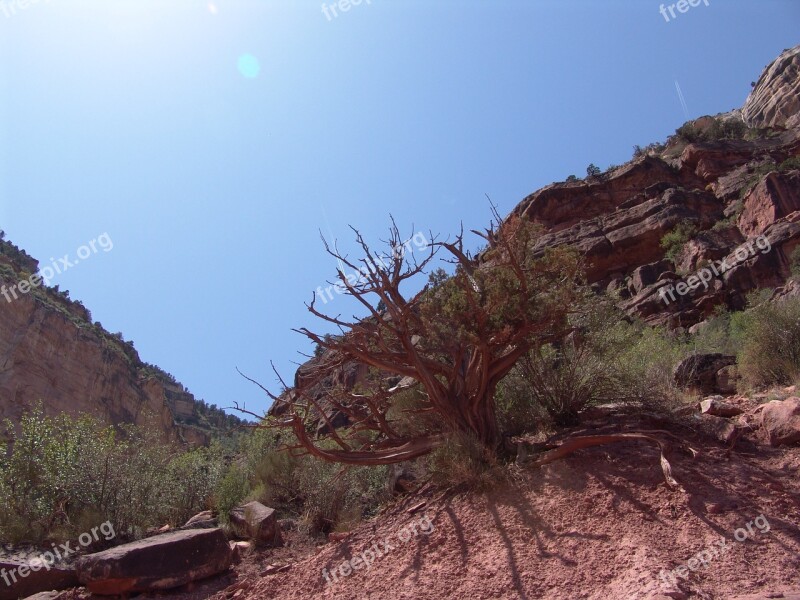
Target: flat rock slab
157,563
18,580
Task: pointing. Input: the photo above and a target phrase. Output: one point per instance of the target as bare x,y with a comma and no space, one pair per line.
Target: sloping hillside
51,352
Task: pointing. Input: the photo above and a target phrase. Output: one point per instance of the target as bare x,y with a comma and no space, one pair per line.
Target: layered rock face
734,180
739,195
50,352
775,99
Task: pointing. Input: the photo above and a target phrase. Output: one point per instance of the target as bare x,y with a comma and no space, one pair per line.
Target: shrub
608,359
769,337
790,164
325,495
233,488
462,461
572,178
674,241
654,148
720,129
58,473
517,411
592,170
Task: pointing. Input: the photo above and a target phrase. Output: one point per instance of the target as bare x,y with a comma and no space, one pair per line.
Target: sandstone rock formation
775,99
51,352
781,421
738,188
19,579
256,522
157,563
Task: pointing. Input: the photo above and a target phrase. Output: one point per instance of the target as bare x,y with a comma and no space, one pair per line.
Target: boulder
714,405
722,429
699,371
727,377
19,580
203,520
157,563
780,420
256,522
45,595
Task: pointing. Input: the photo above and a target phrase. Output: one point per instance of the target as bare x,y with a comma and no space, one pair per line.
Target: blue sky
213,141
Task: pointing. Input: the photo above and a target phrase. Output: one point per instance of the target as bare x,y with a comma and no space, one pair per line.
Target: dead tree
456,339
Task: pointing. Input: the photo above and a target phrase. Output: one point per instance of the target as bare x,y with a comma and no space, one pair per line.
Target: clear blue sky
212,141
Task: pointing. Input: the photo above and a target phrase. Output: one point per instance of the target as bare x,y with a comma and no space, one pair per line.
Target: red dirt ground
598,525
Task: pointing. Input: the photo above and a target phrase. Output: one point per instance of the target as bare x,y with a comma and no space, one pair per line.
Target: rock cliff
51,352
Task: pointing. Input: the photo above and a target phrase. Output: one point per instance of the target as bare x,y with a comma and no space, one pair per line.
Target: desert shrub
566,378
674,241
517,411
462,461
609,358
232,489
654,148
715,335
59,473
326,496
572,178
790,164
194,476
769,337
720,129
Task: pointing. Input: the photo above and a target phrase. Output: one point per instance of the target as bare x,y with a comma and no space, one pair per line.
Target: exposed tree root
577,443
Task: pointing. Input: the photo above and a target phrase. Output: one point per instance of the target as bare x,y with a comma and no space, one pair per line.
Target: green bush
462,461
57,474
720,129
769,338
326,496
674,241
609,358
232,489
790,164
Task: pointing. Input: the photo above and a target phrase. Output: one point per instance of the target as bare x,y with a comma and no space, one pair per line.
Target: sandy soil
598,525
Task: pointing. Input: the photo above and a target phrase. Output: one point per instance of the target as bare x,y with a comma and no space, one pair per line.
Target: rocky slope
51,352
729,180
732,181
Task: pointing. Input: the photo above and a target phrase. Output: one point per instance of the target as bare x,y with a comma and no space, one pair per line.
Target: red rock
256,522
780,420
57,577
774,197
716,407
722,429
157,563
